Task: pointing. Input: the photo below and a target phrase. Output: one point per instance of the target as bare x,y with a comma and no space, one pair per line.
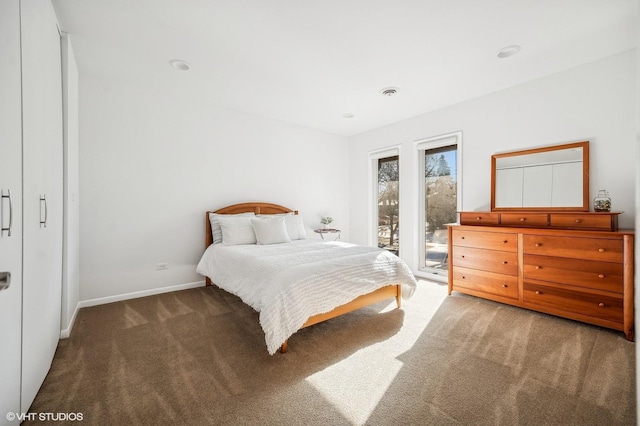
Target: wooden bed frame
384,293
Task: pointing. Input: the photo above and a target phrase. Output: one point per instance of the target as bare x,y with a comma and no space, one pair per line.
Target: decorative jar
602,202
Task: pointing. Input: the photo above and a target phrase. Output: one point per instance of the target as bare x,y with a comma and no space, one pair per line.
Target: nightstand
328,231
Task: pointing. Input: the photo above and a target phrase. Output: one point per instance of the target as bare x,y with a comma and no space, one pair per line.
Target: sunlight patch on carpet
357,384
419,309
355,388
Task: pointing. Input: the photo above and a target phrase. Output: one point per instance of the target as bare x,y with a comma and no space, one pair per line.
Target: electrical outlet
161,266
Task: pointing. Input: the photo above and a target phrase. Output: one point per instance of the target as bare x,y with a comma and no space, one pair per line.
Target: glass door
440,203
389,203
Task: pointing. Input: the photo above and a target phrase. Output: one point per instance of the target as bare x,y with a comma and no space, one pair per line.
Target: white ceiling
310,62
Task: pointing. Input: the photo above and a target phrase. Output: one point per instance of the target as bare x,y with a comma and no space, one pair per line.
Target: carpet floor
198,357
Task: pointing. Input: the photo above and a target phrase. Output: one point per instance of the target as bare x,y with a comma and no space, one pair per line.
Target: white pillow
236,230
270,230
295,227
216,231
293,223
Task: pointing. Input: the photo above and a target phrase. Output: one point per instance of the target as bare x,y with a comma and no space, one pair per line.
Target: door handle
5,280
43,222
8,229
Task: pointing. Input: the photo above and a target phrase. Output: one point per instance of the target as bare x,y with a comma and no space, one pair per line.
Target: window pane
388,203
440,204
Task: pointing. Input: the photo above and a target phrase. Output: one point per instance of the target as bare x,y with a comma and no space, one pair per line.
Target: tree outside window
388,203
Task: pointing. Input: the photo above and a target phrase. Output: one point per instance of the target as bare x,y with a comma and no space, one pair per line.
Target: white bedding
290,282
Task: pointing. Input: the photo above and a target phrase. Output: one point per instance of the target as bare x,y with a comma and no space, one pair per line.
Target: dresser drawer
594,305
486,282
487,240
501,262
584,221
524,219
574,247
605,276
482,218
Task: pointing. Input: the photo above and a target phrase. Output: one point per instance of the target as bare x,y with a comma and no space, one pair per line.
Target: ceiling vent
389,91
508,51
179,64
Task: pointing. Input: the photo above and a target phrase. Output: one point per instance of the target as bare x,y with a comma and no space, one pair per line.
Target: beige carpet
198,357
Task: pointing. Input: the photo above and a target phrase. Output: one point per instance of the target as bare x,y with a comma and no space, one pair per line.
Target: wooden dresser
581,274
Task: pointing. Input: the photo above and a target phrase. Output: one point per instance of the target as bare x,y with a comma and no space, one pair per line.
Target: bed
293,281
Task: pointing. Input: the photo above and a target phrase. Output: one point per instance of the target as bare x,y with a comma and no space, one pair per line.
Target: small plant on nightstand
326,221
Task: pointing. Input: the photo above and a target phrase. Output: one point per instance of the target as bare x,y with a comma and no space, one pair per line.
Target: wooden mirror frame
585,177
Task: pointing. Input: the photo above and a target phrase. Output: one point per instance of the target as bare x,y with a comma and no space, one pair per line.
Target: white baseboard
136,294
67,331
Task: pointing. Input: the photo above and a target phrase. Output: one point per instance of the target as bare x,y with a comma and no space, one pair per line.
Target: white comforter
288,283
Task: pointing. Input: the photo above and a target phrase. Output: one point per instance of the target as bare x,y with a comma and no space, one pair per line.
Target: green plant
326,220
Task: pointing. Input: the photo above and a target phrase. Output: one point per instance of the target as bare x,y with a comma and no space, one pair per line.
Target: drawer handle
504,262
601,276
462,256
601,304
538,292
463,277
601,250
522,219
578,220
505,242
538,244
478,218
504,286
538,267
462,238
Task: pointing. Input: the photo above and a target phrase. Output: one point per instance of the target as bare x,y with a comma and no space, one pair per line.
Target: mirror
550,178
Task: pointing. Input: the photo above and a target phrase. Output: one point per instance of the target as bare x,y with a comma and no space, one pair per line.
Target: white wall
595,102
151,165
71,229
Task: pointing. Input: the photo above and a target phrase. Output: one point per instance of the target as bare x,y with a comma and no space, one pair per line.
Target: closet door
10,210
42,193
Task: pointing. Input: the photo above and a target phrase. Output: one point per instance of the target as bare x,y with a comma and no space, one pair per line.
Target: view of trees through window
440,203
388,203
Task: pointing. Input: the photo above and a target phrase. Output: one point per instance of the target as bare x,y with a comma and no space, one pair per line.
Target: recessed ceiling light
179,64
505,52
389,91
348,115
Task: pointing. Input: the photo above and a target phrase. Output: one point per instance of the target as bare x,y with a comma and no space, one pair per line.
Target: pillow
216,231
293,223
295,227
236,230
270,230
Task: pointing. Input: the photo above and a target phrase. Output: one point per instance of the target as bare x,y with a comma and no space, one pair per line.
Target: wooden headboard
257,208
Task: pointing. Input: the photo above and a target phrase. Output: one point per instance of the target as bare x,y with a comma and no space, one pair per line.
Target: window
384,198
389,203
439,200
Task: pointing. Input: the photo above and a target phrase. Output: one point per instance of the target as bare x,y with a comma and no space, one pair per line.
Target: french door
439,200
389,203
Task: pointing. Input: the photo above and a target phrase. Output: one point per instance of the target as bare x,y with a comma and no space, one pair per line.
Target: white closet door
10,179
42,179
